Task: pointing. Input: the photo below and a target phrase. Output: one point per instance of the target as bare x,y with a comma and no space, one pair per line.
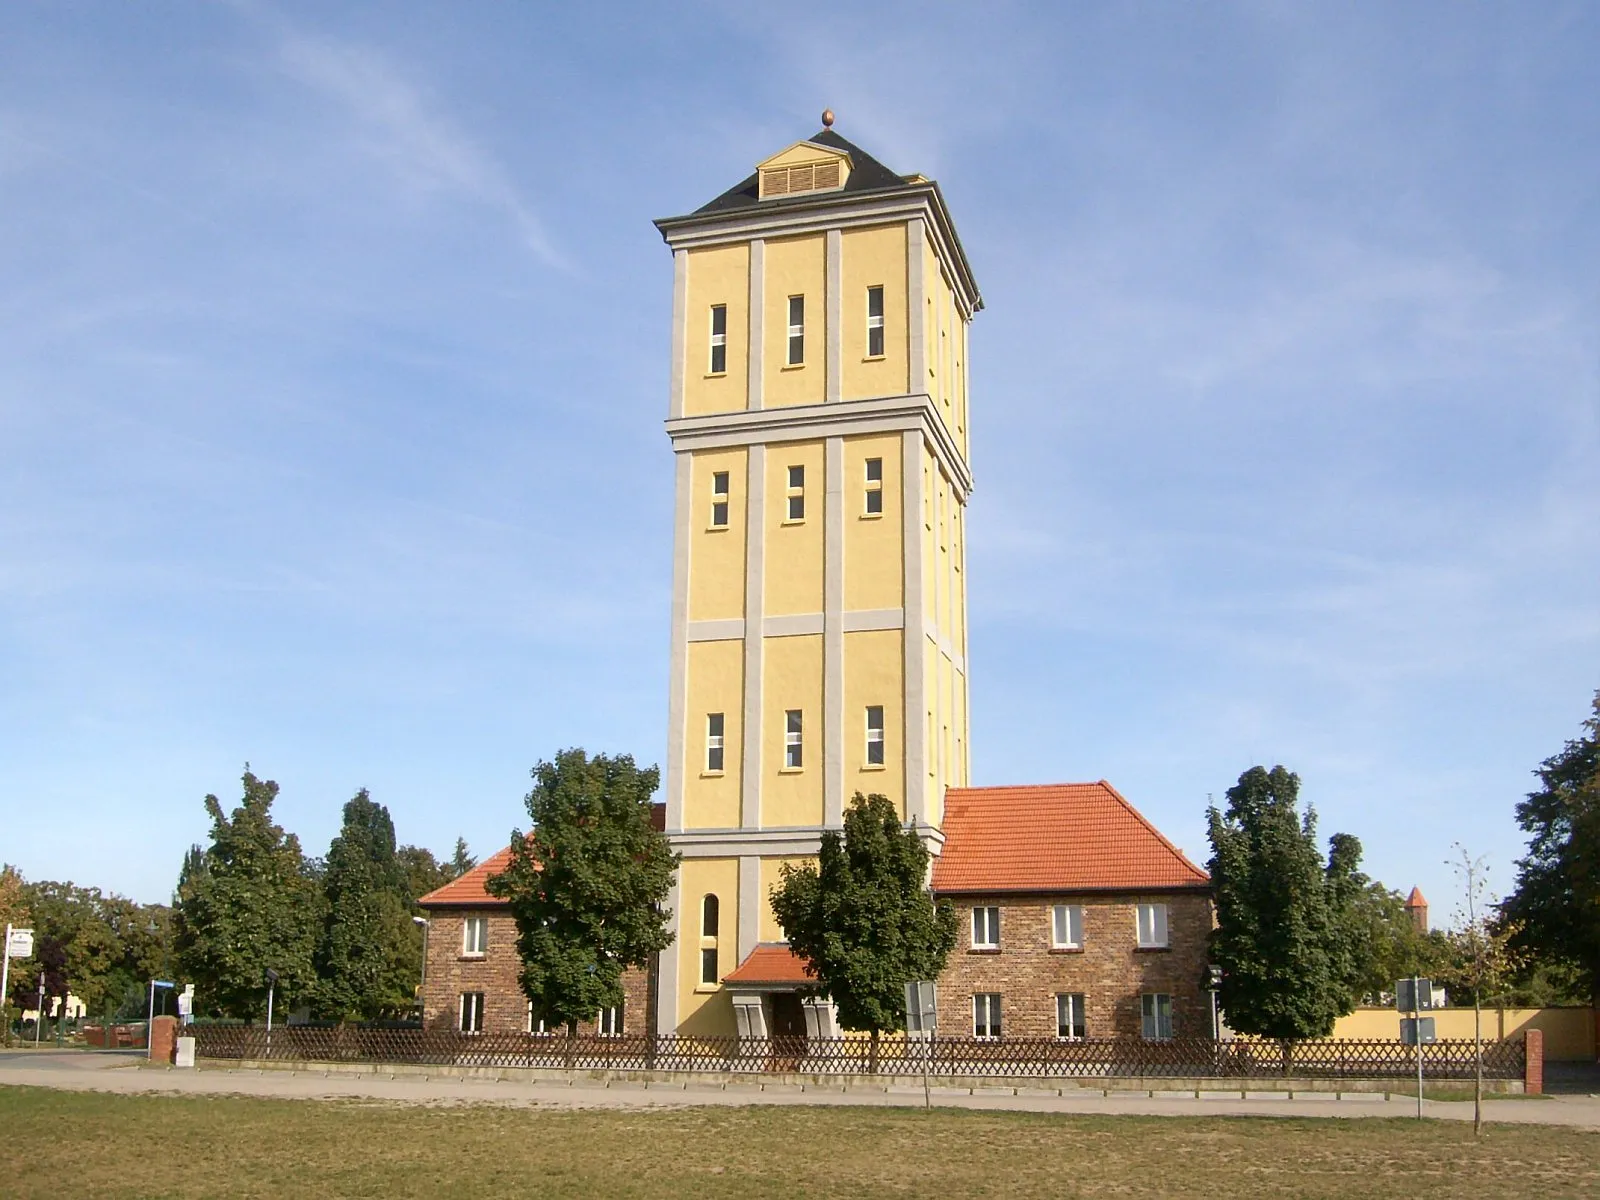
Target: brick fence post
1533,1070
163,1039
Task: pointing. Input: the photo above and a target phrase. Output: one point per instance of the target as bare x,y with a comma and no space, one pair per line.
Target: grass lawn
64,1144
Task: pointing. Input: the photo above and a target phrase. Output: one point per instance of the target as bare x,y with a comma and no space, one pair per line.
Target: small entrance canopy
764,990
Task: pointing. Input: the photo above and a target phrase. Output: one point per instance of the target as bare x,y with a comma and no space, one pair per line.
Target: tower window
709,914
714,722
719,339
792,758
874,494
797,494
875,735
874,322
719,499
797,330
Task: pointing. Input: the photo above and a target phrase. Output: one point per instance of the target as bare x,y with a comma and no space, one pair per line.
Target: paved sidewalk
108,1073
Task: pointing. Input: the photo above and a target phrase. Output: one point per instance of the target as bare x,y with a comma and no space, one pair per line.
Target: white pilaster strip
758,308
755,521
916,308
833,744
678,694
835,306
750,902
680,327
667,981
915,627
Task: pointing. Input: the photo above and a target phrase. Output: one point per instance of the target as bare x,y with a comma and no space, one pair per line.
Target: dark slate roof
867,174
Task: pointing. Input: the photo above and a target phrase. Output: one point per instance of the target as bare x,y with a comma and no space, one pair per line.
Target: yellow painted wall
768,929
874,257
716,684
874,571
874,673
701,1009
933,301
792,678
716,556
1569,1033
794,559
794,267
717,275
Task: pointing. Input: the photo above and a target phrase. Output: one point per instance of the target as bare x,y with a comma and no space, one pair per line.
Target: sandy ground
127,1074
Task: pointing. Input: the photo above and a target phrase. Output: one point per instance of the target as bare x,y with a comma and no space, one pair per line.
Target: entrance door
788,1032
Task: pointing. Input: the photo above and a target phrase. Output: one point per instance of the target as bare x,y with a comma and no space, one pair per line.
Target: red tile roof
770,962
469,891
1415,900
1063,837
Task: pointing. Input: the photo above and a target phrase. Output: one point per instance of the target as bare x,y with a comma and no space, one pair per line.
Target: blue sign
162,983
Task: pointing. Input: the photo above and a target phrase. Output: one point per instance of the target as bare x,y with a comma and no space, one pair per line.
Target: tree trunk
572,1043
1286,1049
872,1057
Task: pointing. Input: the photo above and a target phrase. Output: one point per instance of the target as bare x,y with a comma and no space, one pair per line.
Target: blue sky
333,357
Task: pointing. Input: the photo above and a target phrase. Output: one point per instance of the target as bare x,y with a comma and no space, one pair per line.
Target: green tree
1555,903
863,918
460,862
246,903
371,953
1286,935
586,884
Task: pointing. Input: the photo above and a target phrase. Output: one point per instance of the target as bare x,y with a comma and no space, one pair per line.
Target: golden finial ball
827,118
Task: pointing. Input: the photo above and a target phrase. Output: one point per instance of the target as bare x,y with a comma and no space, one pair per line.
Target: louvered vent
791,181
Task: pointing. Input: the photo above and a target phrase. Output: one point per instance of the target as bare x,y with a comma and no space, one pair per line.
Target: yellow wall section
874,673
794,549
710,1011
716,684
792,678
874,574
804,152
1569,1033
716,556
717,275
933,301
872,258
794,267
768,929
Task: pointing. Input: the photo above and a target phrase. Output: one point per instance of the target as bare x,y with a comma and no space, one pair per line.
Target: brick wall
449,973
1110,971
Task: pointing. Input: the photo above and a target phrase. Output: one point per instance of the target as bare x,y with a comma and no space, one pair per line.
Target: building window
609,1022
874,735
719,499
714,742
792,759
471,1012
797,494
536,1024
708,965
797,330
1066,927
874,494
986,1015
474,936
1069,1015
1152,926
719,339
1156,1013
710,912
874,322
986,929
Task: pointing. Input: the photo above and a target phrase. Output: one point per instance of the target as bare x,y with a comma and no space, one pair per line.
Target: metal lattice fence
1008,1057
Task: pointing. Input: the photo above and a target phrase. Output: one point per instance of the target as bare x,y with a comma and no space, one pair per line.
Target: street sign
20,944
921,1007
1408,1000
162,983
1409,1029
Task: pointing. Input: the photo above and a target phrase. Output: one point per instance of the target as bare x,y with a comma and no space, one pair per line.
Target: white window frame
716,747
719,340
1155,1016
794,739
463,1008
609,1022
875,320
875,749
1066,927
537,1028
796,356
474,937
1073,1007
795,493
987,1017
1151,925
719,499
872,505
986,927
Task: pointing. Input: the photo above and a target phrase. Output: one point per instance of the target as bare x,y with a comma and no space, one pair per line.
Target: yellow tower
819,634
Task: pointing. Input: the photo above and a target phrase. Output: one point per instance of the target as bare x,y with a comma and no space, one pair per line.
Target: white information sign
20,944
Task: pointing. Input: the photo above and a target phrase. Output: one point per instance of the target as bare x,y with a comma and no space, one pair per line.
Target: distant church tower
819,628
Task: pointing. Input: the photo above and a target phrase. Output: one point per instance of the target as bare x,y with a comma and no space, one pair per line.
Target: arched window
708,917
